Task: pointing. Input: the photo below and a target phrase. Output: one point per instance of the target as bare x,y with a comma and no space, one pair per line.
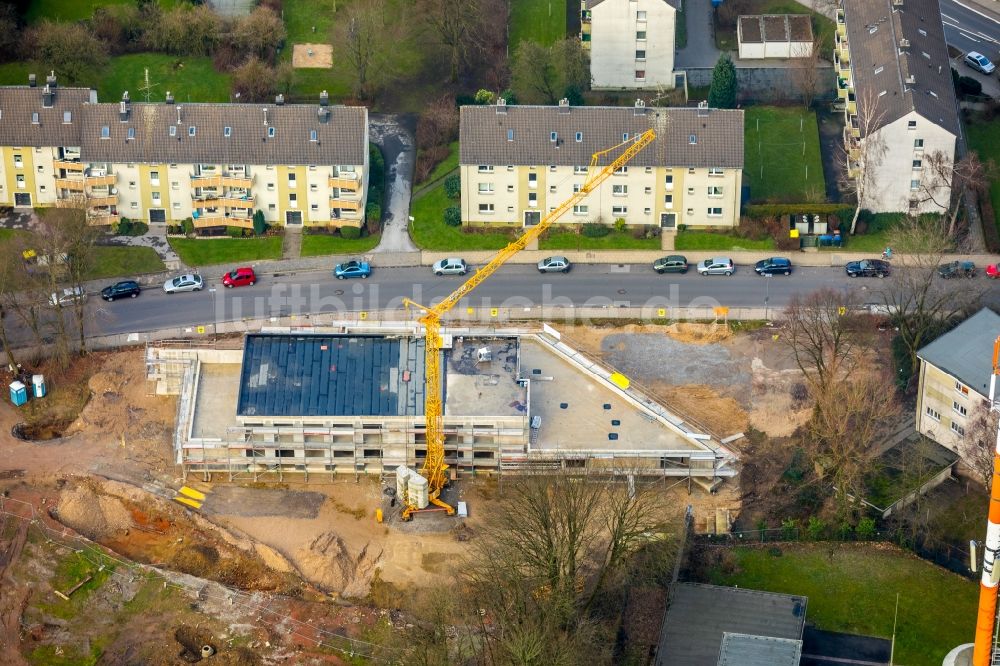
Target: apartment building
893,72
954,379
518,163
161,163
631,42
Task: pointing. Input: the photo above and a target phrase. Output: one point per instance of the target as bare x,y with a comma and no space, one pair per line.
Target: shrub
866,529
124,227
69,48
234,232
968,87
990,233
816,528
620,224
188,226
845,531
595,230
775,210
790,529
484,97
453,186
373,212
259,223
350,233
509,97
427,159
682,227
453,216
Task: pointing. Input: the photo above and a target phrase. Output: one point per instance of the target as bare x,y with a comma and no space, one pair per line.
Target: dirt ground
312,56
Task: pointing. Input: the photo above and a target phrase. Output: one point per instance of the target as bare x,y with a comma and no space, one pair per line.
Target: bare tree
860,159
459,26
364,38
806,74
545,74
259,33
980,443
944,181
10,264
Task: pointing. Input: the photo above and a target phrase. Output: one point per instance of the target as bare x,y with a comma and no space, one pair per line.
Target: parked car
673,263
239,277
67,297
450,266
189,282
123,289
957,269
773,266
979,62
867,268
554,265
993,271
716,266
352,269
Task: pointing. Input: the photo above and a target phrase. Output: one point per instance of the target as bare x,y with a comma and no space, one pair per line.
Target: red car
993,271
241,277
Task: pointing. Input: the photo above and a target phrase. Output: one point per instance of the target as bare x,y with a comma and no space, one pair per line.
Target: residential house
631,42
892,65
518,163
954,386
215,163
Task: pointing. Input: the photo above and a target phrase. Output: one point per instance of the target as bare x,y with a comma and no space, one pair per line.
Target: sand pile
331,567
93,515
699,333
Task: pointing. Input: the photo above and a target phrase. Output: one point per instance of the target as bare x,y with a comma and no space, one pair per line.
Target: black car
126,288
773,266
957,269
867,268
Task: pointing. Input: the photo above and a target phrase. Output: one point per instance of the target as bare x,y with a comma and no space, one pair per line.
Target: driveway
991,84
700,50
397,144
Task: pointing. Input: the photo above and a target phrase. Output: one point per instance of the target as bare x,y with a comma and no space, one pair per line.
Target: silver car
450,266
716,266
189,282
554,265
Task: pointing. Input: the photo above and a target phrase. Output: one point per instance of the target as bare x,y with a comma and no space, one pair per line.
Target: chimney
564,105
48,97
179,114
703,109
265,115
124,108
324,98
279,100
170,98
32,80
50,80
911,80
640,107
501,105
323,114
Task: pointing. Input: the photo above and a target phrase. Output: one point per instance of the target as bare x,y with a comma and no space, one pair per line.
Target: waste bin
18,393
38,385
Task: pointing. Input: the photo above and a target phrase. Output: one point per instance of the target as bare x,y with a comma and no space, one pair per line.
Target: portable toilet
18,393
38,384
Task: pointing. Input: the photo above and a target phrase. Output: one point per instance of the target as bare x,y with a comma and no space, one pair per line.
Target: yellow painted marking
620,380
192,493
200,329
494,312
189,502
363,315
662,312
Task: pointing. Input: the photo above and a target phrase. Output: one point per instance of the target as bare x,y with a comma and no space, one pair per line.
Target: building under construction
343,400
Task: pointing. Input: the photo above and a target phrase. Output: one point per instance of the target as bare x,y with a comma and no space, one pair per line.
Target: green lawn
111,261
75,10
707,240
854,590
781,155
570,240
195,252
542,21
984,138
429,231
680,30
302,15
449,164
823,28
315,245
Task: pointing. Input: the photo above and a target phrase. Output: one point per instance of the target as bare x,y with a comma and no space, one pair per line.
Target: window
553,136
175,185
715,172
134,205
312,187
579,170
580,210
130,136
270,132
690,190
291,180
619,190
918,144
18,161
510,188
625,136
647,190
714,191
293,201
959,408
227,132
486,188
690,211
621,171
668,200
154,177
640,16
270,187
715,212
619,210
579,137
156,197
533,199
577,187
917,165
640,34
105,132
177,205
532,180
314,208
934,414
879,69
510,135
272,207
313,136
131,184
20,181
669,181
691,171
640,54
191,130
912,124
692,139
34,117
640,75
510,167
552,168
914,185
552,189
41,169
964,390
957,429
485,169
67,117
647,211
172,131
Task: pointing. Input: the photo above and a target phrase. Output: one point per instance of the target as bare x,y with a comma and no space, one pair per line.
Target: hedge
350,232
772,210
989,222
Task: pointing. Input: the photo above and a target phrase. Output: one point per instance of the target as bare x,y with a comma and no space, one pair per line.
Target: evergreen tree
722,94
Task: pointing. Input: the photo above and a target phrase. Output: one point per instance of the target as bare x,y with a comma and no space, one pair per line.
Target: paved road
971,27
511,287
398,150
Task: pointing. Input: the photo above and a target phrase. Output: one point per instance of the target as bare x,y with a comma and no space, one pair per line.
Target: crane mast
434,468
985,646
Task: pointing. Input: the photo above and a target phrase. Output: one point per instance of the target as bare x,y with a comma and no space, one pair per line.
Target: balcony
97,181
102,199
228,201
218,219
344,183
852,107
68,165
220,180
100,217
841,23
345,204
71,201
69,184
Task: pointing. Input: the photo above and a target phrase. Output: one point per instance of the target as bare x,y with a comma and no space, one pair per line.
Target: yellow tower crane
434,468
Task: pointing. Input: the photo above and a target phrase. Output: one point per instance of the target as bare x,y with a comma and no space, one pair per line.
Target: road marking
950,18
977,41
976,11
987,38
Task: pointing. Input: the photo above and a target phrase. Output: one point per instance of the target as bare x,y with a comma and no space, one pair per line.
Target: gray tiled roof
746,650
892,40
718,135
676,4
342,139
700,615
17,103
966,352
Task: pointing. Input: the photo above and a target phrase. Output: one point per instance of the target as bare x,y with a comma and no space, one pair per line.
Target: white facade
631,43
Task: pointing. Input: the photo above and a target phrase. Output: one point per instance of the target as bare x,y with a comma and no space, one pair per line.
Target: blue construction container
38,384
18,393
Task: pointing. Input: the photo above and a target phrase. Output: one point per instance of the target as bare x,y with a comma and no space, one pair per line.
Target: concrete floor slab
585,422
215,402
487,388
